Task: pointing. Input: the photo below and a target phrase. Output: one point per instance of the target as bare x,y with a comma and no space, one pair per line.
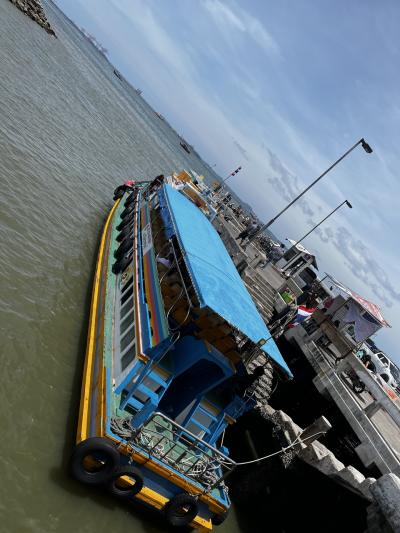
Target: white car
382,366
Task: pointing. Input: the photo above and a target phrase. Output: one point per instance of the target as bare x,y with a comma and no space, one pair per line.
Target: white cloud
231,19
224,16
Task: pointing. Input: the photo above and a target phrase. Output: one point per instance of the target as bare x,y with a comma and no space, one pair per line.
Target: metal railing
178,448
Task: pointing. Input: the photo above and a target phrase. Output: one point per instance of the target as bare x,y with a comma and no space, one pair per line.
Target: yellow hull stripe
84,409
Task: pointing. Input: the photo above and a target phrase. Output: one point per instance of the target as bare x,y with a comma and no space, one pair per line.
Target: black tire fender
124,234
127,211
181,510
119,192
121,264
123,224
124,247
131,198
128,491
101,450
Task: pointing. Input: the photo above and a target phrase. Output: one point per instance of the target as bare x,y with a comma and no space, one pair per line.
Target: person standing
252,228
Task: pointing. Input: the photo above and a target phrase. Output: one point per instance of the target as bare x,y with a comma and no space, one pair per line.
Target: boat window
127,285
127,306
128,357
127,321
126,295
127,338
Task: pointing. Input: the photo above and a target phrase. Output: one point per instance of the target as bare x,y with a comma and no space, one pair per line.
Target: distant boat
185,147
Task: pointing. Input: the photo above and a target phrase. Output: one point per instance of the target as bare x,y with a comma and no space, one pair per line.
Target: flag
303,313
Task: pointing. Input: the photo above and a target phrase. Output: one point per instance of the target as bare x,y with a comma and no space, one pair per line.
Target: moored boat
171,326
185,147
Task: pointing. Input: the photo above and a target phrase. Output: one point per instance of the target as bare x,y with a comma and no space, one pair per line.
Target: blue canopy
214,276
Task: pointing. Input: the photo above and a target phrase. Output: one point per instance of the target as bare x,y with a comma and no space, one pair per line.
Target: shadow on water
60,475
151,521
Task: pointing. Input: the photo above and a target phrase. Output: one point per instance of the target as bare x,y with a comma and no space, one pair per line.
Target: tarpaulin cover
364,326
214,276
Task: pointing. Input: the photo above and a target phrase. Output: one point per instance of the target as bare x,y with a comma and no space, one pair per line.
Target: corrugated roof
370,307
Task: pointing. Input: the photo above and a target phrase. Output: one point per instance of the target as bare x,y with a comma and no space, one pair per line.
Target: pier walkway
374,415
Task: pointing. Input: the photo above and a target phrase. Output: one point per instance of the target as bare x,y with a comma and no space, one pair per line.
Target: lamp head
366,146
349,204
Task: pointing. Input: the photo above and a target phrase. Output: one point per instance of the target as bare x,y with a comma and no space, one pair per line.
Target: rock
386,493
352,475
354,479
34,10
314,453
329,465
365,487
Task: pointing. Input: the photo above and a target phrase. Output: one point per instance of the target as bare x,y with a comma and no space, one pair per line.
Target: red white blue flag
303,312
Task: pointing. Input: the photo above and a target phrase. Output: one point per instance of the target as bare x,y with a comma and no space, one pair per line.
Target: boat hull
99,399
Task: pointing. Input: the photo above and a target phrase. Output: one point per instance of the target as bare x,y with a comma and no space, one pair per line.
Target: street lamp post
319,223
232,174
221,185
365,146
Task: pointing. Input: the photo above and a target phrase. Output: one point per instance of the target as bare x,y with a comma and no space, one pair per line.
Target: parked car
382,366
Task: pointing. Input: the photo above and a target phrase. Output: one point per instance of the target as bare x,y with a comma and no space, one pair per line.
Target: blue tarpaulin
214,275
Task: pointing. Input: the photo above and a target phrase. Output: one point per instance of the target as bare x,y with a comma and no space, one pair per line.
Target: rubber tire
131,198
121,264
124,234
218,519
123,224
171,510
123,248
119,192
130,471
127,211
92,446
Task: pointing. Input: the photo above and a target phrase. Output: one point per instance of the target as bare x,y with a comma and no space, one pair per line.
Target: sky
282,89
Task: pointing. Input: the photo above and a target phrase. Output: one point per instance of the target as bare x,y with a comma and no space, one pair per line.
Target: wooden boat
170,326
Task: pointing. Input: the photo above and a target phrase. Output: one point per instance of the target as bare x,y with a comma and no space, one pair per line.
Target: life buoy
119,488
181,510
94,460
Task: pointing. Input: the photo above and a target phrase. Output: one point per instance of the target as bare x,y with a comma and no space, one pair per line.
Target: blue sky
283,89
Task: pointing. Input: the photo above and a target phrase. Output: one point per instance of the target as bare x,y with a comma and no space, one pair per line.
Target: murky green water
69,133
